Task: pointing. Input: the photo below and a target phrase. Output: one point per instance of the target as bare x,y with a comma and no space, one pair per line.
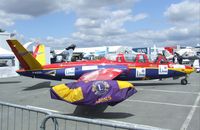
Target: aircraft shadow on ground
45,84
10,82
98,112
154,84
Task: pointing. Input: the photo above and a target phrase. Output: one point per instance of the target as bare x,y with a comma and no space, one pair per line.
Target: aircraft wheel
184,81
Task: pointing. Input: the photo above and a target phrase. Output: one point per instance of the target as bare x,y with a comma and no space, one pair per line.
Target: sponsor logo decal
105,99
70,71
89,67
100,87
162,69
140,72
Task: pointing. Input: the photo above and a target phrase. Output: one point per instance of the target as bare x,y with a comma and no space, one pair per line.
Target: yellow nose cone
189,70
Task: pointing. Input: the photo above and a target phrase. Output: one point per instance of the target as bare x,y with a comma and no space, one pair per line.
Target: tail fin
25,58
39,54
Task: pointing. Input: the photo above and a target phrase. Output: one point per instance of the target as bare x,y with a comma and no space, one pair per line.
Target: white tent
4,52
110,49
3,38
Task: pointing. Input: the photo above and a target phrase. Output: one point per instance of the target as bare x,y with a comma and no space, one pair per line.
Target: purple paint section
99,92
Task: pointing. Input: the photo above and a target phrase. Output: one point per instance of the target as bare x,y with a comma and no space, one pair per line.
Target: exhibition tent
5,53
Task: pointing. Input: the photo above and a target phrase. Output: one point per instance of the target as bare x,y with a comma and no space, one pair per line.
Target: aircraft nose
189,70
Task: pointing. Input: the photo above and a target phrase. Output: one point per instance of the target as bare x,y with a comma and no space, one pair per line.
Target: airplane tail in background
39,54
25,58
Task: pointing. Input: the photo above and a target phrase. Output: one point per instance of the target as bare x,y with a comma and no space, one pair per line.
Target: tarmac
166,104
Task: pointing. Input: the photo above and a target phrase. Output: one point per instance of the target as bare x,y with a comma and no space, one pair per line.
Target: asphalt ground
165,104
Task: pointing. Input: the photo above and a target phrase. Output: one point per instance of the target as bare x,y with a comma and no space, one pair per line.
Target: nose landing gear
184,81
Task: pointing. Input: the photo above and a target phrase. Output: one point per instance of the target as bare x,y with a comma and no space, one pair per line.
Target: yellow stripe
187,71
67,94
183,70
177,69
124,84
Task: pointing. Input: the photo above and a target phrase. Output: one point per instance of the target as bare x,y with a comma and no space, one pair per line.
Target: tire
184,81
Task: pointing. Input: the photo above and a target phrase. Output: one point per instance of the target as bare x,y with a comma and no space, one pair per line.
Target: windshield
127,57
130,57
111,57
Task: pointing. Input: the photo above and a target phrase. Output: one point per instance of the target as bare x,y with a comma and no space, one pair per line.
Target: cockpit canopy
121,57
135,57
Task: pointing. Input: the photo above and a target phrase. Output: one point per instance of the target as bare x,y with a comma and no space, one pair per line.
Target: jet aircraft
186,55
65,55
103,81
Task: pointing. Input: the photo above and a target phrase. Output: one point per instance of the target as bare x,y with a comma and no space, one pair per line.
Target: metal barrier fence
71,123
17,117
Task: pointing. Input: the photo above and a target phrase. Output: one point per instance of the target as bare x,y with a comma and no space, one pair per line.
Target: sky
87,23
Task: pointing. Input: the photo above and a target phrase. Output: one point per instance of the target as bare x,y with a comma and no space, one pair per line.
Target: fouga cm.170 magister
102,81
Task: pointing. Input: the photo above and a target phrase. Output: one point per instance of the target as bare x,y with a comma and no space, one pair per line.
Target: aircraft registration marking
70,71
140,72
163,69
89,67
23,53
37,72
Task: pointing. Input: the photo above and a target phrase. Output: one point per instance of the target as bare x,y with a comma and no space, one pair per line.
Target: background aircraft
196,65
186,55
116,67
64,55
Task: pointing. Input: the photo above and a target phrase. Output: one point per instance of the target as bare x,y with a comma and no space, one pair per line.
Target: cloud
140,16
12,10
171,36
29,7
90,4
5,21
8,19
35,8
103,22
100,19
185,18
176,33
53,42
184,12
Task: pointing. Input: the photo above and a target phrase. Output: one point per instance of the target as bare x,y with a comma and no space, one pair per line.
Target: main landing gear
184,81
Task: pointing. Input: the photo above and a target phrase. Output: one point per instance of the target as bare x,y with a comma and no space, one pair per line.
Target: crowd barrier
18,117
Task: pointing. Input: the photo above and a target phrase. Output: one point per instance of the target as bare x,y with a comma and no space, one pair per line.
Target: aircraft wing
102,74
